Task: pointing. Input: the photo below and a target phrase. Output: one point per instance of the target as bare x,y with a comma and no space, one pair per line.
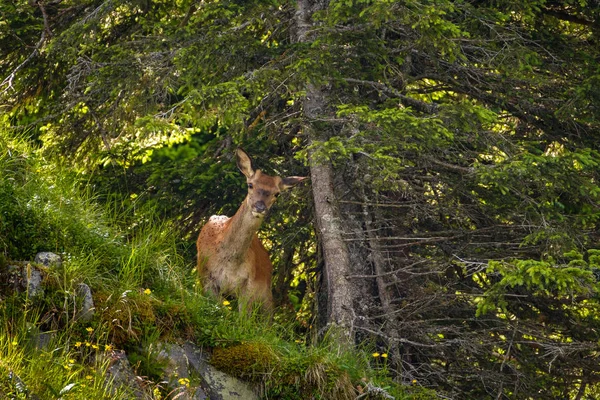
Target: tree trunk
335,252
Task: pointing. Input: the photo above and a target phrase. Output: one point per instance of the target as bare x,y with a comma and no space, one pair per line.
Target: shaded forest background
453,149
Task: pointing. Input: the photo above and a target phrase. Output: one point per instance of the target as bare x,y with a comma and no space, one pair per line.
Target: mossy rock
277,377
247,360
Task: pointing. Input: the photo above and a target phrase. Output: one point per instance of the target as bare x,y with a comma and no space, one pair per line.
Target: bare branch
7,83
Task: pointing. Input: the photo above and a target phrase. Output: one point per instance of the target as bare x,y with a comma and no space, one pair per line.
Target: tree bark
335,252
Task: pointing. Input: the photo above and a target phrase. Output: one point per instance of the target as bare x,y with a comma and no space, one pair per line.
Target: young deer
231,258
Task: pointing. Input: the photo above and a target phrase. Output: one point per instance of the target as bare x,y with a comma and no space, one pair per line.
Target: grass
53,369
144,293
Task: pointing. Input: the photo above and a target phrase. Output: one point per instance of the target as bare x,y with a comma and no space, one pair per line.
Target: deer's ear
244,163
290,181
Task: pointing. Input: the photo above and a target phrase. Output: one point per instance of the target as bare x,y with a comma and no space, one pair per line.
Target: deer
231,258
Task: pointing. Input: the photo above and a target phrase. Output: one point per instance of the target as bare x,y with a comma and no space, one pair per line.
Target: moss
245,360
280,377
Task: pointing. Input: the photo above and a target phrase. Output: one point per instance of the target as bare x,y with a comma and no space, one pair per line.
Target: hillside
145,300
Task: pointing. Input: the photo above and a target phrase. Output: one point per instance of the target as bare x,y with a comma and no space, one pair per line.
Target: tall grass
46,208
49,364
152,259
43,208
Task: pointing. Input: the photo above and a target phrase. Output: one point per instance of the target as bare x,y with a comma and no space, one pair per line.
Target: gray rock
176,363
23,276
228,387
199,394
120,374
187,393
84,302
33,281
48,259
43,339
216,384
177,367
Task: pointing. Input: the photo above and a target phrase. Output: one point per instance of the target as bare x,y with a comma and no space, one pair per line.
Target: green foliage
559,185
145,357
540,278
41,209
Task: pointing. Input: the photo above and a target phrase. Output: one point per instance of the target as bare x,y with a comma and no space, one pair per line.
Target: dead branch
7,83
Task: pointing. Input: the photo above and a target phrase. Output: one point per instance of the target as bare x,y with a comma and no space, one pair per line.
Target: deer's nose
260,207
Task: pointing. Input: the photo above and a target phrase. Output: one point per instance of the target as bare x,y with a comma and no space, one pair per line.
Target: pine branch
428,108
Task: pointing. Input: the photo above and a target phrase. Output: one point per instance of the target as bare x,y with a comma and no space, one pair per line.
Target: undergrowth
144,293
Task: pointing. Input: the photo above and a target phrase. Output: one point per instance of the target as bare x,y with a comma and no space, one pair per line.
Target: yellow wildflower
89,377
147,291
78,344
95,346
108,347
184,382
384,355
226,303
376,355
89,329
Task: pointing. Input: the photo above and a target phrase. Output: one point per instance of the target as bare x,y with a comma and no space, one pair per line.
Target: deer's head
263,189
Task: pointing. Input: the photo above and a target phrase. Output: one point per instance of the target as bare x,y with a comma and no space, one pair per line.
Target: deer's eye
276,195
250,186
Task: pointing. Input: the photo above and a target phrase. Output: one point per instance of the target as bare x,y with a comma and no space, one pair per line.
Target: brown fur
231,258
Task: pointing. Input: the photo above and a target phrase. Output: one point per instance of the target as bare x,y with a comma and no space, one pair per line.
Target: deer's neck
242,227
